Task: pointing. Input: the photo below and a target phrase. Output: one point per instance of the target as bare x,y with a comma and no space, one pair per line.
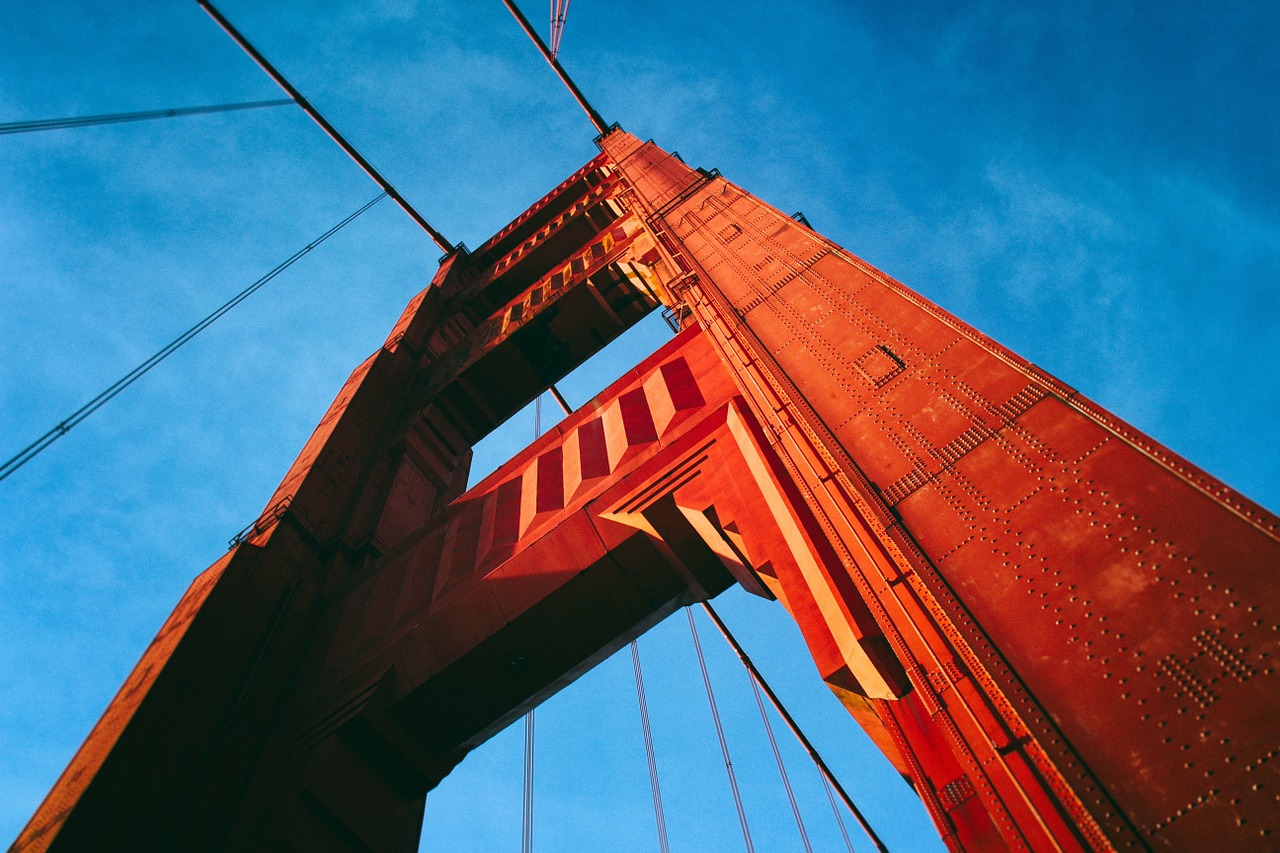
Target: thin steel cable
559,11
782,770
795,728
659,815
555,7
64,426
724,745
835,809
555,19
526,837
526,822
117,118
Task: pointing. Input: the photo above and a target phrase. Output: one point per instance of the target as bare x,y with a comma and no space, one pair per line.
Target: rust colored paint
1057,630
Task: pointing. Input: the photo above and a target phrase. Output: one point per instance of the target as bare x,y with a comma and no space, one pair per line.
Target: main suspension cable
596,120
659,815
795,728
64,426
315,116
724,745
526,820
560,400
117,118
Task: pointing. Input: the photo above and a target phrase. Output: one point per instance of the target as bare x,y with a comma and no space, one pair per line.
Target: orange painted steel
1088,622
1061,634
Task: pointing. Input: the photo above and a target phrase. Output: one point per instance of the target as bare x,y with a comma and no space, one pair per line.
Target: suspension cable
724,745
594,116
835,810
659,815
795,728
526,827
64,426
559,11
117,118
526,821
332,131
782,770
560,400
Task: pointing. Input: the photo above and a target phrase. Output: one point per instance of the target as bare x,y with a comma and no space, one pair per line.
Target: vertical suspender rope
559,11
659,815
795,728
526,826
526,823
724,745
782,770
835,810
555,26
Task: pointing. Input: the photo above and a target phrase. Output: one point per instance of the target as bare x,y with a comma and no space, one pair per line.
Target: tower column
1077,610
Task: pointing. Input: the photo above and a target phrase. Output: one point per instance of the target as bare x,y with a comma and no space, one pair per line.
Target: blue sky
1092,184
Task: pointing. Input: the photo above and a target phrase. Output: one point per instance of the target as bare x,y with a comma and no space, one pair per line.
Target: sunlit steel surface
1060,633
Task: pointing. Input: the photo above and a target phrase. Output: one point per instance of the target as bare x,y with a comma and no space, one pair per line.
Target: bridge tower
1059,632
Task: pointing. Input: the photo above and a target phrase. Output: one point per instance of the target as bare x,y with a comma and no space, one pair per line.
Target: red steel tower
1059,632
